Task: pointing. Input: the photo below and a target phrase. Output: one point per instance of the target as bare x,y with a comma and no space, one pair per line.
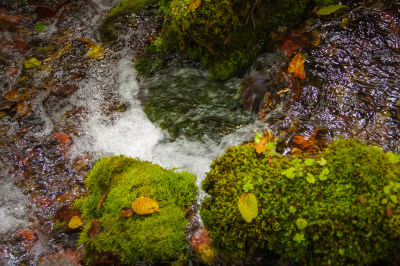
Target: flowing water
58,119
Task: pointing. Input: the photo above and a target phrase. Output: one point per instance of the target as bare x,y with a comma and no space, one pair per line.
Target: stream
56,120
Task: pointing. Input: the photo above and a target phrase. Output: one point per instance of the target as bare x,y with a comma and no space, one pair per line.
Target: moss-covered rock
338,207
122,12
225,35
114,183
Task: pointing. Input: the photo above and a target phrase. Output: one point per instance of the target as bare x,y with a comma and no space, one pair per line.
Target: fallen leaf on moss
145,205
75,222
296,66
260,144
301,223
194,5
248,206
389,211
102,198
126,212
207,254
362,200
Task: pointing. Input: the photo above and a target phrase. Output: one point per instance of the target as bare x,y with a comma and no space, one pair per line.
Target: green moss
40,26
342,194
326,2
122,9
226,35
154,237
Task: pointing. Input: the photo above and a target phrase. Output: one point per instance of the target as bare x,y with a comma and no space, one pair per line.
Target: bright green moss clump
338,207
152,237
225,35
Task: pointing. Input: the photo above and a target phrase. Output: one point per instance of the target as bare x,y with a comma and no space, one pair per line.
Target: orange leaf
301,140
260,147
296,66
266,138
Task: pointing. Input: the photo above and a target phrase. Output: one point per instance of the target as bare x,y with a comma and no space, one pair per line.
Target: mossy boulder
122,12
113,184
225,35
337,207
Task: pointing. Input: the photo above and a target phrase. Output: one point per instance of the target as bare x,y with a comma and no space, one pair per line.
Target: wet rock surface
352,79
39,125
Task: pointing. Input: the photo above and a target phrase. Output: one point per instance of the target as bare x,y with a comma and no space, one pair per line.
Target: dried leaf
207,254
126,212
248,206
75,222
362,200
194,5
144,205
296,66
102,198
327,10
389,211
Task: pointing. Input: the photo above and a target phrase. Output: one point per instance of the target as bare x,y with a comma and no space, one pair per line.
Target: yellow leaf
95,51
207,254
75,222
296,66
144,205
248,206
32,63
194,4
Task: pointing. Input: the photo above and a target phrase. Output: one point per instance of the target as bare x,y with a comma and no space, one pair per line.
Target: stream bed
57,119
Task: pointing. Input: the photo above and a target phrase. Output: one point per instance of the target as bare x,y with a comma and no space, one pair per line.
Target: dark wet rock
352,83
44,12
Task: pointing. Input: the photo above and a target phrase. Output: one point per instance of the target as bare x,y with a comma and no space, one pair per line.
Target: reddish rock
67,257
44,12
27,237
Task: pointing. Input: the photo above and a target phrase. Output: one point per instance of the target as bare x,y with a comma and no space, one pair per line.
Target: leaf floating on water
32,63
95,50
296,66
207,254
145,205
126,212
75,222
194,5
327,10
248,206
